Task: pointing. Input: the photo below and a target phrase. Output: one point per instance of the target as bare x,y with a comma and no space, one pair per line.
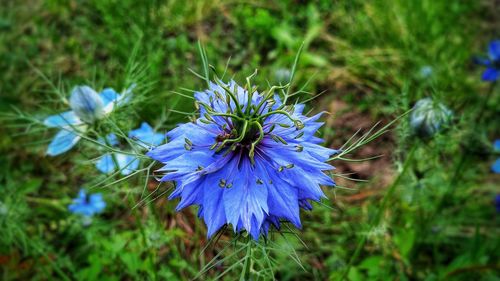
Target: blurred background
426,210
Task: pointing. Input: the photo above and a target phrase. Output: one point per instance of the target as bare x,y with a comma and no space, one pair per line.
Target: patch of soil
343,122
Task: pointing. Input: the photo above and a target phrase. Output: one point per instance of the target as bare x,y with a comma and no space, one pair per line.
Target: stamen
299,135
273,126
213,145
277,138
299,124
218,95
208,117
205,121
222,183
284,125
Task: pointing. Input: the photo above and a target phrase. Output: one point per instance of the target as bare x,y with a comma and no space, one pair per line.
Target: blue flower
109,162
249,160
492,63
86,107
87,205
497,203
495,167
429,117
127,163
146,136
426,71
496,145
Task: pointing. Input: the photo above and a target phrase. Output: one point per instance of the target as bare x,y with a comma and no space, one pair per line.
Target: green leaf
404,240
372,265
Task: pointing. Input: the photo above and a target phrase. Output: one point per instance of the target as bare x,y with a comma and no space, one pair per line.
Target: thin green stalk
58,204
247,267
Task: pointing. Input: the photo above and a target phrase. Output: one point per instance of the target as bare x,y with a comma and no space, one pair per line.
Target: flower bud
429,117
86,104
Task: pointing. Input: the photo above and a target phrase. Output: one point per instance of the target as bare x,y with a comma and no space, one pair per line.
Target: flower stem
247,267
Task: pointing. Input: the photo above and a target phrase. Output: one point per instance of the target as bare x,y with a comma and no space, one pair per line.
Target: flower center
244,120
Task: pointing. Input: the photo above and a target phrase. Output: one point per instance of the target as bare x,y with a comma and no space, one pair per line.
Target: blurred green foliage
437,223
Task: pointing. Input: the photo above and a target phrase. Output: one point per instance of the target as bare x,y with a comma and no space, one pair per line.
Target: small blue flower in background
497,203
429,117
496,145
127,163
108,163
426,71
147,136
492,72
249,160
87,106
3,209
496,165
87,204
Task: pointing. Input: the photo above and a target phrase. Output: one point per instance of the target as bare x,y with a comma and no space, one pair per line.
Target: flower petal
97,203
109,95
282,198
245,201
106,164
146,135
111,139
65,119
494,50
490,74
212,209
126,163
86,104
496,166
110,99
496,145
62,142
87,205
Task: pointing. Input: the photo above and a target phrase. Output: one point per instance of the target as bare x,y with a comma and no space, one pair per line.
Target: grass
426,212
